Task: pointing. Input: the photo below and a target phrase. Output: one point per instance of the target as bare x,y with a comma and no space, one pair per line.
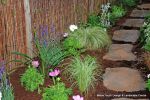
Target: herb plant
32,79
57,92
83,71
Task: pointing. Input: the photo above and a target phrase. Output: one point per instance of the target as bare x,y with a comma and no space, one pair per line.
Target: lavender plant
5,86
49,49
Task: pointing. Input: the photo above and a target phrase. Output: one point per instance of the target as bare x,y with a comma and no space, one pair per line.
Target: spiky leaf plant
84,72
92,37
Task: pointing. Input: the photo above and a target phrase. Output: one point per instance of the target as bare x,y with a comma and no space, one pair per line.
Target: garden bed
94,94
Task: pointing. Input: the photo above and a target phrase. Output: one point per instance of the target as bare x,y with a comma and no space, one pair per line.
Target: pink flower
77,97
35,63
56,72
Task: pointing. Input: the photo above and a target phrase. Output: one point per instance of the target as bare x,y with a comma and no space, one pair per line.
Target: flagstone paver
144,6
133,23
120,52
139,13
126,35
123,79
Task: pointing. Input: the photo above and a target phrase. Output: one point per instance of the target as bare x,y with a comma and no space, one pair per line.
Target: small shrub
93,20
32,79
84,72
56,92
117,12
92,37
148,84
72,46
128,3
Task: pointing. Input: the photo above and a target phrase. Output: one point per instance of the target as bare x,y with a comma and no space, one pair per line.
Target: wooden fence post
28,27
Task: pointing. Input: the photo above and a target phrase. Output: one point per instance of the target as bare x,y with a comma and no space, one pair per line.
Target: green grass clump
92,37
84,72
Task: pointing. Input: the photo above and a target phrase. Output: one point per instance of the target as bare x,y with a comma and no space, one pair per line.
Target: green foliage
50,53
148,84
92,37
128,3
6,89
93,20
72,46
145,36
31,79
57,92
117,12
84,72
26,59
105,15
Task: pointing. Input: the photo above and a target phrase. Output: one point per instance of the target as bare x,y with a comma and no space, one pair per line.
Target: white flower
148,76
73,27
0,95
65,34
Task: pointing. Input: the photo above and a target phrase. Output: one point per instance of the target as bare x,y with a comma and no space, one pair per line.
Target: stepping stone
128,99
126,35
123,79
120,52
133,23
140,13
144,6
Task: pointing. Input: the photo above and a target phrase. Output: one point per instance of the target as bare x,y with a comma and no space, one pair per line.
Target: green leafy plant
93,20
92,37
72,46
32,79
84,72
145,36
128,3
50,52
148,84
117,12
57,92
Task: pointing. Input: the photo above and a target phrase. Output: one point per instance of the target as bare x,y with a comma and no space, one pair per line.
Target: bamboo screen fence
59,13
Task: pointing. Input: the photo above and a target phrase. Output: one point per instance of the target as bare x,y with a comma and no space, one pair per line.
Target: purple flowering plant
48,48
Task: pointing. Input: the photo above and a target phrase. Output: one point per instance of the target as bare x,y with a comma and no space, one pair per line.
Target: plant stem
54,80
43,69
